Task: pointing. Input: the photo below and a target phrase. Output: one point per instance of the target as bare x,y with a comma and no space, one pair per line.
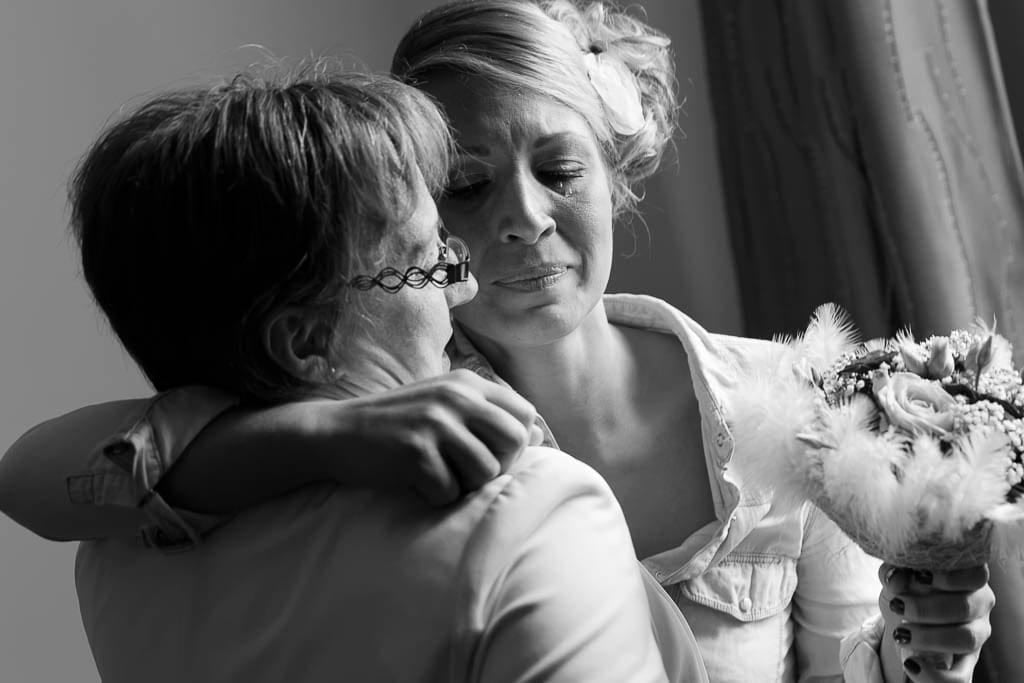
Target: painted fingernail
901,635
891,572
911,666
897,606
924,577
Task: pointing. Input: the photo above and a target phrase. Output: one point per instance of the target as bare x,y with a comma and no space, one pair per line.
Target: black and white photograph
511,341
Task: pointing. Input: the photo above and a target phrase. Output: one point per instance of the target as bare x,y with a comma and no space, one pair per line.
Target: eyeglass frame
441,275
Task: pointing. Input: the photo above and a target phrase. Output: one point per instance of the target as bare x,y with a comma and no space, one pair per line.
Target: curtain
680,250
868,158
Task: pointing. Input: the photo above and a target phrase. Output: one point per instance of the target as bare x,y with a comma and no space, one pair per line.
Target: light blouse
530,579
770,596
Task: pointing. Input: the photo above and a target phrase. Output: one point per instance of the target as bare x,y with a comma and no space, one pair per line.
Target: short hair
538,46
206,210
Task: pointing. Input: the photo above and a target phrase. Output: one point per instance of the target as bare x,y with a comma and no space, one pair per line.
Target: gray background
65,68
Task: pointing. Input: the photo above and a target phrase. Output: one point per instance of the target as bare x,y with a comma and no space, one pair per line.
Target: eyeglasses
452,266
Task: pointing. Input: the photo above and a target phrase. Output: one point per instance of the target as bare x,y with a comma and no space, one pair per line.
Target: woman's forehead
487,119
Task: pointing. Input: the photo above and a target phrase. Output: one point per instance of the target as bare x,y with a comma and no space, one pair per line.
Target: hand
442,437
946,613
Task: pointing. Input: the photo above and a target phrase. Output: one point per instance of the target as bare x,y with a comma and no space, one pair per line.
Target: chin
536,326
534,320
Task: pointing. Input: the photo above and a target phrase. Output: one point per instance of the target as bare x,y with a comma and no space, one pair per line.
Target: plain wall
65,68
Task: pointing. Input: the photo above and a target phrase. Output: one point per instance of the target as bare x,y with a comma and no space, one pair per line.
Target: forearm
248,457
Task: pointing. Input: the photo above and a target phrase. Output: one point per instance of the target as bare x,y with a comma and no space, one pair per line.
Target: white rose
913,404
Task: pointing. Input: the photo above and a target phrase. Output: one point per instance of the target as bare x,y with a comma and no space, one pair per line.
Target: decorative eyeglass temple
441,275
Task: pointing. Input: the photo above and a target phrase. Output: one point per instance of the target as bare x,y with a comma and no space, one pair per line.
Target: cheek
590,225
465,224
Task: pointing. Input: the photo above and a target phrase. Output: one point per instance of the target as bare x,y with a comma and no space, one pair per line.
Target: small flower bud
912,362
985,354
940,362
979,356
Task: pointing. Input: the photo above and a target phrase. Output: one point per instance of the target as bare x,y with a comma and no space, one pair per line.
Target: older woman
278,240
560,110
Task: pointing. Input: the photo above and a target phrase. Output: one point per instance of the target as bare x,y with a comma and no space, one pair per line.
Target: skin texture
407,333
532,190
945,613
531,198
531,194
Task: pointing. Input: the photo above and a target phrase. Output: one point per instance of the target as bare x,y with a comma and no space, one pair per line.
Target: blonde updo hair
538,46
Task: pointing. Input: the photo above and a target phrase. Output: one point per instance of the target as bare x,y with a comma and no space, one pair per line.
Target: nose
525,211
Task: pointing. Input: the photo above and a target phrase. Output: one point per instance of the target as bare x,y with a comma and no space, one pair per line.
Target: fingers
494,415
475,462
536,435
503,435
939,608
458,432
924,669
901,580
503,397
432,479
956,639
937,617
968,579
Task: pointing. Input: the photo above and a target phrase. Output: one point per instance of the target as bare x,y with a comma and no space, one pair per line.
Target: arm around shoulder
88,473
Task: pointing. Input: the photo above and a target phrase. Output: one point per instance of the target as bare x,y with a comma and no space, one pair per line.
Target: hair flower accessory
616,87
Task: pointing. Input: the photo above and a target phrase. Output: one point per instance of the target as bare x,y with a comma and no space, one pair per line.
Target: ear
298,343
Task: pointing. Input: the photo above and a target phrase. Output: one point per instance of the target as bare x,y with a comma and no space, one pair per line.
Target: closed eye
465,191
561,180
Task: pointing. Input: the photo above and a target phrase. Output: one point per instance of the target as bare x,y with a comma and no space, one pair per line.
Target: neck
582,384
372,370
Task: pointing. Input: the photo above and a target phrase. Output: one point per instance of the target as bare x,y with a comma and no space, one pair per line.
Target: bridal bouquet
913,448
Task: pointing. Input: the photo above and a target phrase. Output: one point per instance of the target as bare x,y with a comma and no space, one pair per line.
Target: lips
533,278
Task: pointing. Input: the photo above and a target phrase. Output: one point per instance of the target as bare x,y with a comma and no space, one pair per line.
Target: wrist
329,436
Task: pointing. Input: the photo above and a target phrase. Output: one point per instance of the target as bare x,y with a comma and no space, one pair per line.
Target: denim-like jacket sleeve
859,652
837,590
125,467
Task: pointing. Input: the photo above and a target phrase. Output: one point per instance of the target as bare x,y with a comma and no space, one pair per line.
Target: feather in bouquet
913,448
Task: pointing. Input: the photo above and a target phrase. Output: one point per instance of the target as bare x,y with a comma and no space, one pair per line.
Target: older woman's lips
533,279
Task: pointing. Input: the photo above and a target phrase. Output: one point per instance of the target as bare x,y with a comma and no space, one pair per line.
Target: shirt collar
714,362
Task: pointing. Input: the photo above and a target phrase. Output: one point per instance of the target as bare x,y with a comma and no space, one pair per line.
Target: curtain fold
868,158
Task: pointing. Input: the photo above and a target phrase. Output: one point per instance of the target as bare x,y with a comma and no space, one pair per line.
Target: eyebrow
562,136
542,141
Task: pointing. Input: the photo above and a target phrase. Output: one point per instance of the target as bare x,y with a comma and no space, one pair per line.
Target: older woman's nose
525,212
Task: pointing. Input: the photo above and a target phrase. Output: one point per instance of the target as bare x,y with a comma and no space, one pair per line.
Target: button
121,453
118,449
745,605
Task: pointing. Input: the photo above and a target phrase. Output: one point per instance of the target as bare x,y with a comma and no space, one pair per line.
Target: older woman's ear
298,343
